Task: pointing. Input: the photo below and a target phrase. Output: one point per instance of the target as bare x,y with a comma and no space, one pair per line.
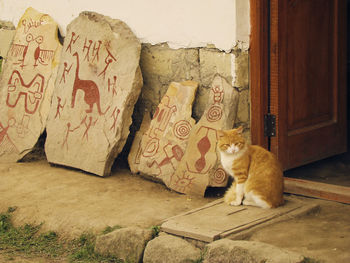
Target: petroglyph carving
100,59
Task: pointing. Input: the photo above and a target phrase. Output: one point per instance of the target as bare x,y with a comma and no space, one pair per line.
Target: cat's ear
239,130
221,134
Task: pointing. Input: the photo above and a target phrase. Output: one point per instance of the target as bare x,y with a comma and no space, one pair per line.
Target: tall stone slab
161,142
200,166
27,83
98,83
7,33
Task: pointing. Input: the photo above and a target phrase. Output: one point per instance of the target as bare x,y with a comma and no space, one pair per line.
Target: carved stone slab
7,33
200,166
98,83
160,144
27,83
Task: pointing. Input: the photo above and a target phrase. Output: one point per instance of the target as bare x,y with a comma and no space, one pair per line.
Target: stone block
162,146
27,83
241,70
243,111
162,65
212,62
230,251
170,249
127,244
200,166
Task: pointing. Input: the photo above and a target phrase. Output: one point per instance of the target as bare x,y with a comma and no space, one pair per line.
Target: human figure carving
90,89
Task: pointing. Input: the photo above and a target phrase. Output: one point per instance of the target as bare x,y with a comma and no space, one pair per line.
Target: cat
258,176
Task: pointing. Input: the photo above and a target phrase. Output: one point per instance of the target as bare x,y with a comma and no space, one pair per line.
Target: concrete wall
181,23
182,40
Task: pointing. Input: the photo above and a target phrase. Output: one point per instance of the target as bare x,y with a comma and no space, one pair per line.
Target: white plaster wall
181,23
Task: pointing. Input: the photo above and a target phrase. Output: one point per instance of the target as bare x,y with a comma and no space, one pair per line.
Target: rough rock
7,33
162,65
27,83
170,249
98,83
163,144
200,167
127,244
230,251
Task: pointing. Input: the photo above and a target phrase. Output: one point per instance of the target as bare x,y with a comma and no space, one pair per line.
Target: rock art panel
200,166
97,85
27,83
161,142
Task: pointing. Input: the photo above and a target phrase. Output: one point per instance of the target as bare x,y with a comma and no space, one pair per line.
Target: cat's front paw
236,202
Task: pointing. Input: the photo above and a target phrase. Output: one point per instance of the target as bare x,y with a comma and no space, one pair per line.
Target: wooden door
307,78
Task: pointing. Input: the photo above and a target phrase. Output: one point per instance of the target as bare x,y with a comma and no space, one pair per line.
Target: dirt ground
71,202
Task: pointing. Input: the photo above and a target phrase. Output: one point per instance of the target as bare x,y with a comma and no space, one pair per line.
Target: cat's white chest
227,162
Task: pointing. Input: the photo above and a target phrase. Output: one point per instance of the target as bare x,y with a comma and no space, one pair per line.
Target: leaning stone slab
98,83
7,33
127,244
200,166
160,144
170,249
229,251
27,83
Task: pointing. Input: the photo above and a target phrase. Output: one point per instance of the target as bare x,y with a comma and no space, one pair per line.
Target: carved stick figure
112,85
108,60
95,51
72,41
65,71
87,48
115,117
69,130
59,107
87,126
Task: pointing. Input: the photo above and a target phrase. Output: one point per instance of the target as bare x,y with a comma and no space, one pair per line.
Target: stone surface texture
161,65
230,251
160,144
27,83
170,249
7,33
98,83
200,166
127,244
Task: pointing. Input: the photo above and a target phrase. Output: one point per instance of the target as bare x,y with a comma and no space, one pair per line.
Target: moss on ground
27,240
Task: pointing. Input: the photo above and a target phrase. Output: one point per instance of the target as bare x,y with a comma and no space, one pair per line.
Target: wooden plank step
319,190
218,220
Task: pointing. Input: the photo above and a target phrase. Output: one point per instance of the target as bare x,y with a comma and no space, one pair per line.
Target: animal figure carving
90,89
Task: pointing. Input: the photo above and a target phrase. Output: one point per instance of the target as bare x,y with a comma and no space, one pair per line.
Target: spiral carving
219,176
182,129
214,113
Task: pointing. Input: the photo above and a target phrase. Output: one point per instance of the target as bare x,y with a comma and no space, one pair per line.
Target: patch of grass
84,251
110,229
155,231
27,240
310,260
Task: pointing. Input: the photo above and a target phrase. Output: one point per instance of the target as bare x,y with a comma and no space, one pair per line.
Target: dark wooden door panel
308,88
310,63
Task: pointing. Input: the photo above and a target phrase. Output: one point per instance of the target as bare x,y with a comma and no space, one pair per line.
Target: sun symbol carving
183,182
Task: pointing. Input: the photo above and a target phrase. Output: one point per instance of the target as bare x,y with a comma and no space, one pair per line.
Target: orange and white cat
258,176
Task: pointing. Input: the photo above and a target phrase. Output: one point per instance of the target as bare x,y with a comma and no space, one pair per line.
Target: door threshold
324,191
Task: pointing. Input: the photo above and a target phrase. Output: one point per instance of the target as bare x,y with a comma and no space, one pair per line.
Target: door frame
259,69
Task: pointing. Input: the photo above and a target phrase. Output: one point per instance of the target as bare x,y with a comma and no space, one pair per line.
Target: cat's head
231,141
